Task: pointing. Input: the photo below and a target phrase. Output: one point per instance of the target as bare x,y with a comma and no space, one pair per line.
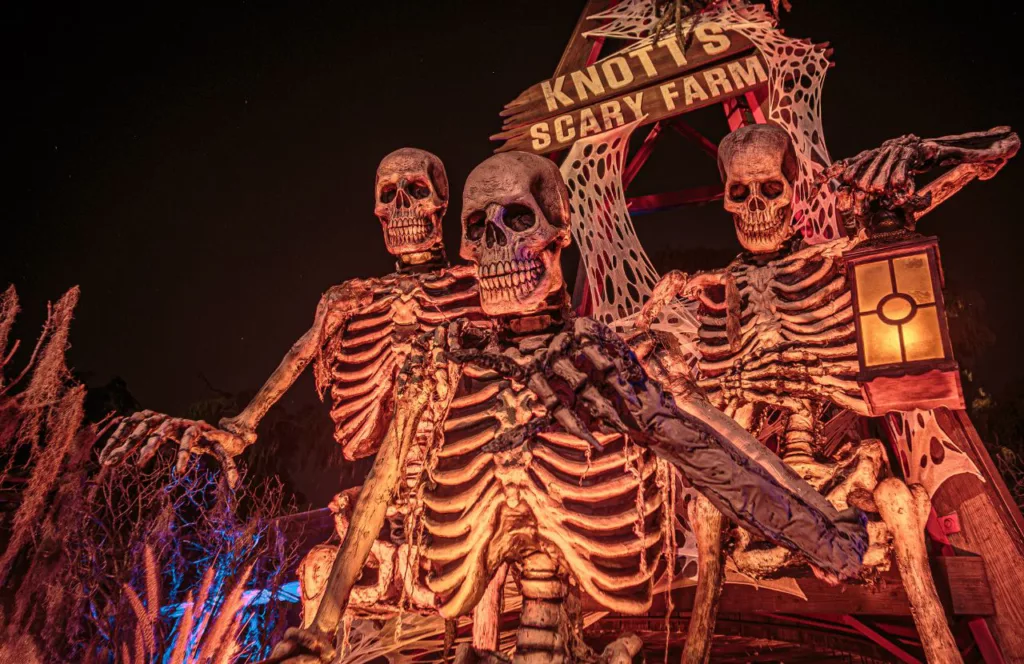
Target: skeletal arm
886,174
335,307
425,379
674,284
716,455
148,430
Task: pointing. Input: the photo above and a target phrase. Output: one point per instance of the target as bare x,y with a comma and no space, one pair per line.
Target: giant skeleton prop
552,442
361,334
776,330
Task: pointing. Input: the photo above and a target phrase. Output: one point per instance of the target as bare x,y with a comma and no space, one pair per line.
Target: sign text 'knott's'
678,95
638,66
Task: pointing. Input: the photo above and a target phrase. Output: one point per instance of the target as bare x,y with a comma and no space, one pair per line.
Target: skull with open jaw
515,223
759,167
411,198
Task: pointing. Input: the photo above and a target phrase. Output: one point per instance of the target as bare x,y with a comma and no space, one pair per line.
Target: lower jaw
500,301
413,244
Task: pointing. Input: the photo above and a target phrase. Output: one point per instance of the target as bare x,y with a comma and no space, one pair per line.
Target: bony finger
227,464
185,449
163,432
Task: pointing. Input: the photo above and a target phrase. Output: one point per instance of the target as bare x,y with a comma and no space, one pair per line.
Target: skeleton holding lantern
777,329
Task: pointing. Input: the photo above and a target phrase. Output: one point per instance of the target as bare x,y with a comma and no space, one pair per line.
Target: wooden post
991,527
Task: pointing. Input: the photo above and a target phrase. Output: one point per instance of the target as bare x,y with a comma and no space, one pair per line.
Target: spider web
628,19
620,276
796,73
927,455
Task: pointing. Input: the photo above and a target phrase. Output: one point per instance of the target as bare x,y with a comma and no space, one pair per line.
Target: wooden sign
682,94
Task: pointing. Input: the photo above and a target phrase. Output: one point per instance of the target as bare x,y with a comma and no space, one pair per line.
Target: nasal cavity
756,204
495,236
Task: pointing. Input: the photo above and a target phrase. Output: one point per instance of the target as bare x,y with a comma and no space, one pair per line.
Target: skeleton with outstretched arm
361,333
776,334
548,429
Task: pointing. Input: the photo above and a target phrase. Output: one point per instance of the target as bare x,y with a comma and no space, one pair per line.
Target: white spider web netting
620,276
796,72
927,455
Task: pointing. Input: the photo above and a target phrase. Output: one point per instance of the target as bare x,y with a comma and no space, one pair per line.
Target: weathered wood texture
744,637
963,585
991,527
682,94
619,73
578,51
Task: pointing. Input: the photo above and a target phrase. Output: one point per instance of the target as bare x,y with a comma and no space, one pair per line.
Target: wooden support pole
991,527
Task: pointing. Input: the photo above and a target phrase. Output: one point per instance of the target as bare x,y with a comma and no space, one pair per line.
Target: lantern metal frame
906,384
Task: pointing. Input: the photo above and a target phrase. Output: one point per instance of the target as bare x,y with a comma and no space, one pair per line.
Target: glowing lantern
906,360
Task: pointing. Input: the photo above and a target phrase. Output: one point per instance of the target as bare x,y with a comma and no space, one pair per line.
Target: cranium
515,223
412,196
759,167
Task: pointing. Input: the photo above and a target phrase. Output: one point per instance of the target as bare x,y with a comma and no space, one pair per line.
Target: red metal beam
673,199
694,136
642,153
892,648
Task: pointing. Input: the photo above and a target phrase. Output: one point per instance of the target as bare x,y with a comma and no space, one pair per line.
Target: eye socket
387,194
417,190
519,217
738,192
476,223
772,189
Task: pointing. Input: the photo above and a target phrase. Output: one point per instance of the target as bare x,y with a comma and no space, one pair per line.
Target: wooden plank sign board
647,81
678,95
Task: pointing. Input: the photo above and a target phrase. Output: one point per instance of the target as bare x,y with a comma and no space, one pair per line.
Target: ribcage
793,312
364,357
602,511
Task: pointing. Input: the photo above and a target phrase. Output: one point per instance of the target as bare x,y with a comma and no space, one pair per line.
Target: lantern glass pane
922,337
914,278
881,342
873,283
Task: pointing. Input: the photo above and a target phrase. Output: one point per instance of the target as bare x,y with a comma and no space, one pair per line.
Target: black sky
204,173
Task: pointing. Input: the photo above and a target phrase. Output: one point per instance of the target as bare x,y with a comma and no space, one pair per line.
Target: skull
515,223
412,196
759,167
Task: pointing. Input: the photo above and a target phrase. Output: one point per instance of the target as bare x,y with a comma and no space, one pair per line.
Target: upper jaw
512,286
411,233
767,234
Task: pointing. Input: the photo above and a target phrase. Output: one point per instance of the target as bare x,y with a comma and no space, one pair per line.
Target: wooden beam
695,137
579,51
990,527
667,201
642,153
963,583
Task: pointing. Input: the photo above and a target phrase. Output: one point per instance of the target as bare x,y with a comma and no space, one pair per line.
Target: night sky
205,173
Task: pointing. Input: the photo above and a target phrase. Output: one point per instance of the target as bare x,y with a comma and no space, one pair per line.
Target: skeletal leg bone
905,510
487,614
622,650
707,523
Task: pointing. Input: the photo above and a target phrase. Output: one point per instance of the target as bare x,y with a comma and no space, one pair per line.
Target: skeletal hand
150,430
584,371
424,378
672,285
887,173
